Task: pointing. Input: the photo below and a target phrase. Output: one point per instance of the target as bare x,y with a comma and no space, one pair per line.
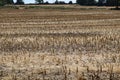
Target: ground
72,43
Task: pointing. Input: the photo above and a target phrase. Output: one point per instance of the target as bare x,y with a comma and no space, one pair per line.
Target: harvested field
56,44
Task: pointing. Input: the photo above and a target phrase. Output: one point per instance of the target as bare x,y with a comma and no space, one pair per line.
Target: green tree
110,2
19,2
1,2
117,3
101,2
81,2
9,2
113,3
39,1
70,2
91,2
86,2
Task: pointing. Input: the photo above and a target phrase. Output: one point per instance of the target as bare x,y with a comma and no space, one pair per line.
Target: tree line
3,2
100,2
81,2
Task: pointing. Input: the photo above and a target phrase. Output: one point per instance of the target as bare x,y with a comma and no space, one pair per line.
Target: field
59,44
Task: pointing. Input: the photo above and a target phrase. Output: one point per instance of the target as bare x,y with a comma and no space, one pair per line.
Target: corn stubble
59,45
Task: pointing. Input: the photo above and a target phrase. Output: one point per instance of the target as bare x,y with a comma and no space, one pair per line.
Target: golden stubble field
56,44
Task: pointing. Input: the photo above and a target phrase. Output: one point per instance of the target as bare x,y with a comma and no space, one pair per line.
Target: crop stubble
59,44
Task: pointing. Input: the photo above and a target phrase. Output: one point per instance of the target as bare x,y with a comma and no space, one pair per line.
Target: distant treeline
3,2
81,2
99,2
